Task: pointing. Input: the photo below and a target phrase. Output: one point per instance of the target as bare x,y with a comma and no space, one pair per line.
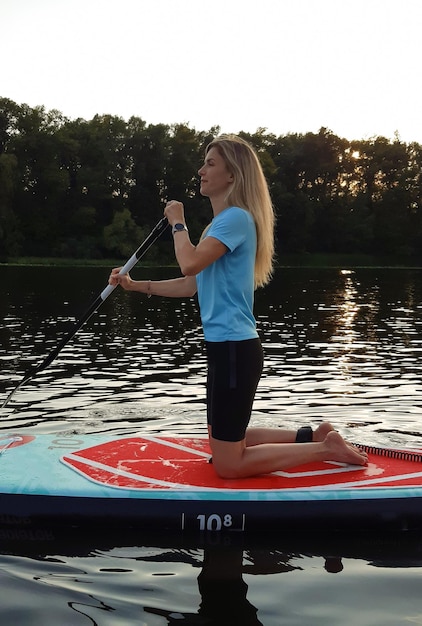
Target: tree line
94,188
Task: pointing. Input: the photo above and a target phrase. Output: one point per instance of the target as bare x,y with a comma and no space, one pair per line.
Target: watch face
179,227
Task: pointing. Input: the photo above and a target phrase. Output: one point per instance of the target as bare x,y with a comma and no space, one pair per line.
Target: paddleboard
167,483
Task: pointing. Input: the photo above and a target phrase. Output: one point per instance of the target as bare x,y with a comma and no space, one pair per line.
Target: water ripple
343,346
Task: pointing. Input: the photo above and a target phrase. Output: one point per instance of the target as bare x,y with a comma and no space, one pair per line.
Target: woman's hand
174,212
124,280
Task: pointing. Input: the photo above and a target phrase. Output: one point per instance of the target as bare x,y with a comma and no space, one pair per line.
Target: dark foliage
93,189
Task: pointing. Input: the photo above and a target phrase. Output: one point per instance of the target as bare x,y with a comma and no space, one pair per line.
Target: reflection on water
297,581
343,345
340,345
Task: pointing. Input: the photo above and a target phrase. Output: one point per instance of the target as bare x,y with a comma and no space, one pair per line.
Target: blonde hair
249,191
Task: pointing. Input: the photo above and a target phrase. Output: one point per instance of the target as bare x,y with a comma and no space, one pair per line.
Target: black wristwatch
178,228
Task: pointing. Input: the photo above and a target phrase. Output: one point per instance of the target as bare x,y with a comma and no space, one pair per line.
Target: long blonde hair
249,191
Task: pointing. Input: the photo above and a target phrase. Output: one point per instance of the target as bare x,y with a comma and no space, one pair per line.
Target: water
343,345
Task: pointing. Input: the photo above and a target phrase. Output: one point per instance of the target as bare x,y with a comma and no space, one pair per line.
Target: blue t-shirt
226,287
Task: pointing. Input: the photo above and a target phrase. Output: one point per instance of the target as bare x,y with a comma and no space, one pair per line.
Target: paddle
158,229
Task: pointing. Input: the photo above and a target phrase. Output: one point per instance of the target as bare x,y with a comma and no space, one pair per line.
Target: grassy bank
347,260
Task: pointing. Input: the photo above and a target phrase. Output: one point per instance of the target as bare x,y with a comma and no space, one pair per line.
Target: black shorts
234,370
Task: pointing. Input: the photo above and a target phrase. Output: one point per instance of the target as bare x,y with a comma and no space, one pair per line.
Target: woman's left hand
116,278
174,212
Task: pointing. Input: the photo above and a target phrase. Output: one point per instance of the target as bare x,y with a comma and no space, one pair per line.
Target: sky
289,66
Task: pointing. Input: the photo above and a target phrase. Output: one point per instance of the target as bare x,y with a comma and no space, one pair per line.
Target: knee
227,457
225,468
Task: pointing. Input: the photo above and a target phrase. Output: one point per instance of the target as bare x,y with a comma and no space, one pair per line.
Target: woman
235,256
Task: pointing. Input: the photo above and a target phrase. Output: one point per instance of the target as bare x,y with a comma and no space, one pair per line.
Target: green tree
147,146
122,236
389,175
41,179
10,236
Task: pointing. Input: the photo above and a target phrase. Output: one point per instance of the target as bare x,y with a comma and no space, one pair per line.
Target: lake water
343,345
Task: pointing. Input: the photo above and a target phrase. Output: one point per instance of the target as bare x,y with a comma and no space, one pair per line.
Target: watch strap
179,228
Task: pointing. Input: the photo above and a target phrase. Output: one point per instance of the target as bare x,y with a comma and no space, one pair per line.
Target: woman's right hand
124,280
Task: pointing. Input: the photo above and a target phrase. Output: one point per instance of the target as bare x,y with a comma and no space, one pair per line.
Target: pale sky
290,66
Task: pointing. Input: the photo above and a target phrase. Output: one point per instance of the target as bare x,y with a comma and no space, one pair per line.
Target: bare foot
339,450
322,431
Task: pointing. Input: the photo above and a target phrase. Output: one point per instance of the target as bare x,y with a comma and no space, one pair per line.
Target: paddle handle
158,229
124,270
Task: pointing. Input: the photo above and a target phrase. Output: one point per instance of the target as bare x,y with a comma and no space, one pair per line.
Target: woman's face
215,177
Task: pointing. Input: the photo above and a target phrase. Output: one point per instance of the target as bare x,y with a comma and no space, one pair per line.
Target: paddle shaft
158,229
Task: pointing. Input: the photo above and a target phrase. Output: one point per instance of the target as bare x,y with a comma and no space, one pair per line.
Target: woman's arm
192,259
184,287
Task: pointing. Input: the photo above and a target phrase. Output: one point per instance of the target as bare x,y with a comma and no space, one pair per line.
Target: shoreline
316,261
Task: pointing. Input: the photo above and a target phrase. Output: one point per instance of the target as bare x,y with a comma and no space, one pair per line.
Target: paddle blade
12,393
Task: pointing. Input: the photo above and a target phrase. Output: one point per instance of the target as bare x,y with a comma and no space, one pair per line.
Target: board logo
13,441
